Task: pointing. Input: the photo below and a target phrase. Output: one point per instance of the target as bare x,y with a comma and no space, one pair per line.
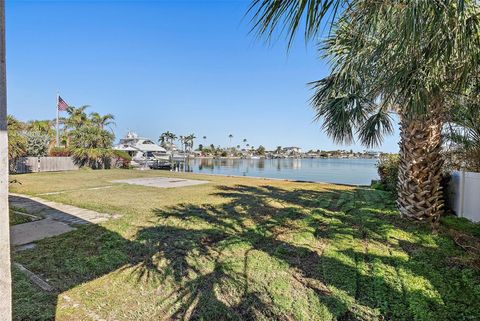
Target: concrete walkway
56,211
26,233
56,220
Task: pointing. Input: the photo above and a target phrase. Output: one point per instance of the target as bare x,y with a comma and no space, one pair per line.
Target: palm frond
291,15
375,127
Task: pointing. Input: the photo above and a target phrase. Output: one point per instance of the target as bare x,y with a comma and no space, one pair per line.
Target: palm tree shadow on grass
260,219
224,261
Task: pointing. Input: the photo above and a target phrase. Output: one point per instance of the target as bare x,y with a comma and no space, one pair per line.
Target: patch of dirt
469,243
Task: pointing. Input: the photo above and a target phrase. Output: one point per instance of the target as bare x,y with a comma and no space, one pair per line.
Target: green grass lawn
16,217
244,249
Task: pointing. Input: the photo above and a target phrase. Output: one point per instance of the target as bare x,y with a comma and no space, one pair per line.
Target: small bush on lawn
388,171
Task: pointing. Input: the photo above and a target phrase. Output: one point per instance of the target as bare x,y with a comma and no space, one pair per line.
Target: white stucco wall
465,187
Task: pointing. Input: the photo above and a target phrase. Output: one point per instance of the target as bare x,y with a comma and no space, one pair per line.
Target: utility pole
5,276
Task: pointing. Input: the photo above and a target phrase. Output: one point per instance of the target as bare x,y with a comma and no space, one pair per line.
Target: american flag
61,104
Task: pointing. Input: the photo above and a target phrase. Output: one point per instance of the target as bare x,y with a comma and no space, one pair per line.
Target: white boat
142,150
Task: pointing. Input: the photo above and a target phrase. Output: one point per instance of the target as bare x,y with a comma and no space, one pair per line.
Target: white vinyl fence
465,188
42,164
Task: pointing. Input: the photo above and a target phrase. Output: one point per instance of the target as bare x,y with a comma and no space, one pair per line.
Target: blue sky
183,66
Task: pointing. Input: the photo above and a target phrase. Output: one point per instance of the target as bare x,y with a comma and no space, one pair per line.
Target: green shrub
95,158
37,143
122,157
377,185
59,152
388,171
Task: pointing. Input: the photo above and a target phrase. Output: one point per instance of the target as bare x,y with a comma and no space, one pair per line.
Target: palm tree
17,144
46,127
102,121
171,137
163,139
278,150
230,138
185,142
166,139
76,117
91,146
407,58
189,141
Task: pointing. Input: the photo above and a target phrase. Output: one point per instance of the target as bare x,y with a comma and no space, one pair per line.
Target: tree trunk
5,277
420,172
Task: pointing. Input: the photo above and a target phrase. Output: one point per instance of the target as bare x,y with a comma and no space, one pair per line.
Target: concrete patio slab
30,232
161,182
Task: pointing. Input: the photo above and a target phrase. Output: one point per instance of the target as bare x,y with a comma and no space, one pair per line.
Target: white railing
465,196
42,164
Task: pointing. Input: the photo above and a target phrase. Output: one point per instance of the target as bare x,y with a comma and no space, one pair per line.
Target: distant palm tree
44,127
172,137
181,138
163,139
76,117
166,139
278,150
230,137
189,141
238,146
102,121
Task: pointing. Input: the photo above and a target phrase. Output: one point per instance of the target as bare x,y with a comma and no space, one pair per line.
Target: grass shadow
270,253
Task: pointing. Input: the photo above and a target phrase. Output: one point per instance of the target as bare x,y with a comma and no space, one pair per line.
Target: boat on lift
144,151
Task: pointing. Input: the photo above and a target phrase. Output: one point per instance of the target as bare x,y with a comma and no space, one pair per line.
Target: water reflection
347,171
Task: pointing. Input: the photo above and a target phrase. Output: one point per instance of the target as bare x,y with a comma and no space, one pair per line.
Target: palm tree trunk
5,277
420,172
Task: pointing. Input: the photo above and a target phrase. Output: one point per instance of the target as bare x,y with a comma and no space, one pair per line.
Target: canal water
331,170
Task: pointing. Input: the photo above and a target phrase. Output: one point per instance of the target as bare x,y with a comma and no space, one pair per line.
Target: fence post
462,191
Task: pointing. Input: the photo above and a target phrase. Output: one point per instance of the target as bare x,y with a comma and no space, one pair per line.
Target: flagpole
56,106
